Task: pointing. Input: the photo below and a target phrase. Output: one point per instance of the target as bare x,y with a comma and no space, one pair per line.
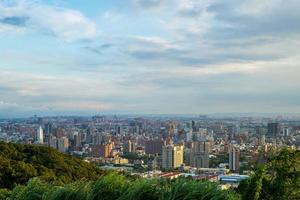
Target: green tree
4,194
278,179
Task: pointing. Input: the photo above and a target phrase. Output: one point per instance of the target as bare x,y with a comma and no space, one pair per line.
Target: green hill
19,163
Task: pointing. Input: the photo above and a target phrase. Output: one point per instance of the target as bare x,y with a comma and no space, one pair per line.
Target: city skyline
148,57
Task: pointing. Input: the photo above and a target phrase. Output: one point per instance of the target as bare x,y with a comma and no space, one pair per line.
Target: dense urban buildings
234,159
201,147
172,156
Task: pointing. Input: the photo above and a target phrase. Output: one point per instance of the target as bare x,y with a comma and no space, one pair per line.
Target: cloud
252,17
67,24
190,8
167,56
14,21
149,3
100,48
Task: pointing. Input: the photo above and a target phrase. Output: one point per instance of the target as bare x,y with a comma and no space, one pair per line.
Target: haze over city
62,57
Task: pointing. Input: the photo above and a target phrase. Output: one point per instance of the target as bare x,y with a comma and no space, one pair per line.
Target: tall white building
286,131
189,135
40,135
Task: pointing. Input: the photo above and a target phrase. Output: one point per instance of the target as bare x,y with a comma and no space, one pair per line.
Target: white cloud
219,54
149,3
67,24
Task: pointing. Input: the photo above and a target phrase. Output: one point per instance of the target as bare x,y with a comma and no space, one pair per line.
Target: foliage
34,190
109,187
118,187
192,190
134,156
221,158
19,163
74,191
4,194
278,179
142,189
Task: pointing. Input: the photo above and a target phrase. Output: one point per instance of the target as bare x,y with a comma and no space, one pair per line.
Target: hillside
19,163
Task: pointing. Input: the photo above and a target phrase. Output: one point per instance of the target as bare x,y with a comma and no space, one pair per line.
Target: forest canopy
19,163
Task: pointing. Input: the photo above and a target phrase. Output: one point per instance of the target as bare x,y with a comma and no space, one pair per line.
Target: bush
109,187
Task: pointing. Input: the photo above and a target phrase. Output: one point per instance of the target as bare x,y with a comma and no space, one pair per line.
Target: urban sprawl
201,147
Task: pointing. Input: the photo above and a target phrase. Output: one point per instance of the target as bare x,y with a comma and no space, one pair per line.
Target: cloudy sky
149,56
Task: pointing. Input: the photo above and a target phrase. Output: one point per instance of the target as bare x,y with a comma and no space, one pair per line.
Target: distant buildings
77,140
286,131
150,141
172,156
154,146
61,144
233,179
273,129
129,147
102,150
262,140
40,135
200,154
234,159
48,128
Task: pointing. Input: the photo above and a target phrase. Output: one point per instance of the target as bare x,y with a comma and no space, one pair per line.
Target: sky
79,57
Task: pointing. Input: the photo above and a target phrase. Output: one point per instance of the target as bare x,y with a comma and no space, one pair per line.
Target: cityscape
149,100
222,150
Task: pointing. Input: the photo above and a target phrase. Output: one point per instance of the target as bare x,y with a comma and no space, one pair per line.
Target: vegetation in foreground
118,187
279,179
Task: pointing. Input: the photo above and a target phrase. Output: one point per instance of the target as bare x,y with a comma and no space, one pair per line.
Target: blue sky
149,56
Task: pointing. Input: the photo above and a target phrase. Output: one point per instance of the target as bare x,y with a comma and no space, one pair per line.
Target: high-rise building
106,149
48,128
129,146
286,131
194,126
60,132
62,144
200,154
40,135
232,131
189,135
234,159
119,129
154,146
172,156
77,140
273,129
262,140
52,142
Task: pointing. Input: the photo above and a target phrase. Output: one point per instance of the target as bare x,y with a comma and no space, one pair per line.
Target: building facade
172,156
